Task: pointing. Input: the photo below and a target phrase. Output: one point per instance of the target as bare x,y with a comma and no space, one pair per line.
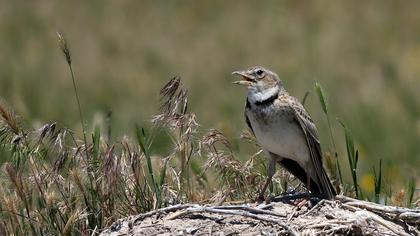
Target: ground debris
344,216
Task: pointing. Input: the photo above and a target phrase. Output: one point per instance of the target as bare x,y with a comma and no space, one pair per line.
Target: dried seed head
170,88
11,172
248,137
213,137
59,141
51,199
59,163
62,42
173,111
219,151
111,169
46,130
9,119
74,173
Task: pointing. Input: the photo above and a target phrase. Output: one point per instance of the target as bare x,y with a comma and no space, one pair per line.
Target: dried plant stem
66,51
229,212
343,216
79,108
90,173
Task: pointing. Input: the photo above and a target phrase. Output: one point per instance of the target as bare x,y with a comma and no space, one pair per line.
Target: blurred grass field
366,56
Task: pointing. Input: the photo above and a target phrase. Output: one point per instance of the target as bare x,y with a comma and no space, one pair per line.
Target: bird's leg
308,182
270,173
306,200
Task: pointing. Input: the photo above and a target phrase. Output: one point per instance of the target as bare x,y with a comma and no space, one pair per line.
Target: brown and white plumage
284,130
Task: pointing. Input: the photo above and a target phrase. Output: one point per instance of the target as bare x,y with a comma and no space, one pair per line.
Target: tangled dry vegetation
345,216
56,183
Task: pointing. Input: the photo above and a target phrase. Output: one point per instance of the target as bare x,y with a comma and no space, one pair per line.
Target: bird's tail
325,188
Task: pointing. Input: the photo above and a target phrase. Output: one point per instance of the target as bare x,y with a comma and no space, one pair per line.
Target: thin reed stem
66,51
79,108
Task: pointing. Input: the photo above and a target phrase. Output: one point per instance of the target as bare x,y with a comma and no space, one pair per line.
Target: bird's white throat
257,96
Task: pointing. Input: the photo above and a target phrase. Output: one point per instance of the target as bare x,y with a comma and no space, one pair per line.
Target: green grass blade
96,137
161,182
198,170
322,98
304,98
163,174
352,157
141,134
378,182
410,191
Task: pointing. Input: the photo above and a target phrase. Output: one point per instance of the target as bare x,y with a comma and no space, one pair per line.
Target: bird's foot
263,199
300,203
289,197
299,200
293,197
309,201
260,199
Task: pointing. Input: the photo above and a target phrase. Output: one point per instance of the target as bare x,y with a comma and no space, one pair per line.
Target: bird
284,130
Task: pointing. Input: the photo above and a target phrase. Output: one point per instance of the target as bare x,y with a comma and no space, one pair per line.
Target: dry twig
343,216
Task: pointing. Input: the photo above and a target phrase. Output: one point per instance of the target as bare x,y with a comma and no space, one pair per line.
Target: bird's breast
278,132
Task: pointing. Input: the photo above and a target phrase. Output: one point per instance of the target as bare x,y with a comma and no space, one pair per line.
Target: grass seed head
9,120
64,46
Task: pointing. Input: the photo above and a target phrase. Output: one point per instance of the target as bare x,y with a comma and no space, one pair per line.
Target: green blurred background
365,54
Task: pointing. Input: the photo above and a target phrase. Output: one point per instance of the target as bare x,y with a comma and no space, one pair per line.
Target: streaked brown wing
312,138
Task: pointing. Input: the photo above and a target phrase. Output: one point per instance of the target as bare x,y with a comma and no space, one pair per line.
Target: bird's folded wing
312,138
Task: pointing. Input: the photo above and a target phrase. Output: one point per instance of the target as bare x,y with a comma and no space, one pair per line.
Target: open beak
246,79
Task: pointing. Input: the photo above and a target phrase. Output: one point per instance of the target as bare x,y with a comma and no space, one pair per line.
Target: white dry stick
192,210
366,216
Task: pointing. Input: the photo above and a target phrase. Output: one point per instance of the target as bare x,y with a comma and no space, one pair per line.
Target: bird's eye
260,73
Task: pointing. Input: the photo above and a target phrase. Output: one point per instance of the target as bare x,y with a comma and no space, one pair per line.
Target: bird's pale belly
279,133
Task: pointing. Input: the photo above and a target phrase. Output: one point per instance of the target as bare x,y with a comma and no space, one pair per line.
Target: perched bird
284,130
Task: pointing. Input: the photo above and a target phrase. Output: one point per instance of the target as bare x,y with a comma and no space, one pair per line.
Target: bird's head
258,79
